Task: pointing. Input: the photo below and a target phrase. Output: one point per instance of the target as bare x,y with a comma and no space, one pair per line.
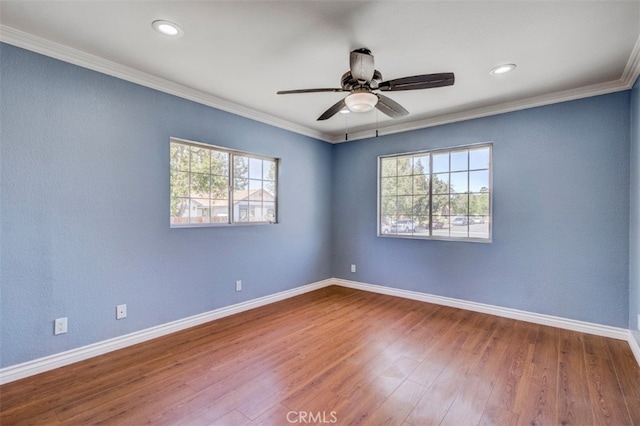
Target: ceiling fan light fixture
361,101
167,28
503,69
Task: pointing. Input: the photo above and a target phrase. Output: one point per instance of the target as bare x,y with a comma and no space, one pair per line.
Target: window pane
388,167
479,158
405,185
440,183
479,181
479,204
200,185
459,182
255,184
200,160
241,211
421,164
441,205
220,163
478,227
240,166
440,226
459,227
270,190
269,170
269,211
420,205
220,211
422,225
388,186
440,162
255,189
404,206
179,157
199,210
460,204
180,184
388,208
385,225
421,184
439,222
240,184
255,168
405,166
179,210
219,187
459,160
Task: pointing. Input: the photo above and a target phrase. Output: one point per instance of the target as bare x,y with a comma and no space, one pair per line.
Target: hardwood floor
342,356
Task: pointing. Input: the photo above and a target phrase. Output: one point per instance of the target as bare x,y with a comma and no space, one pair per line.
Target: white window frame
428,234
231,220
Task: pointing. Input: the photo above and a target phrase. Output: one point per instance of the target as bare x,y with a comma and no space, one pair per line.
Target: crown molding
64,53
45,47
632,70
502,108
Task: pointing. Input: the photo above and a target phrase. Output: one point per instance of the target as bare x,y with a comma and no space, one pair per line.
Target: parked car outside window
460,221
404,225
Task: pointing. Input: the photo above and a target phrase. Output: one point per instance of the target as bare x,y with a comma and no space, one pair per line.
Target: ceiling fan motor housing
347,82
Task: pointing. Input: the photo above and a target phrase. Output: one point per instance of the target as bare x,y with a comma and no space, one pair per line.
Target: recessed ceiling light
167,28
503,69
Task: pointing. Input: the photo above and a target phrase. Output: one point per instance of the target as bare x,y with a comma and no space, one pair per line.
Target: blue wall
84,209
634,225
85,193
561,214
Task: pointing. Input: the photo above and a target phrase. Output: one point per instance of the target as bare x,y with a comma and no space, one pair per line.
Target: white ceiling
235,55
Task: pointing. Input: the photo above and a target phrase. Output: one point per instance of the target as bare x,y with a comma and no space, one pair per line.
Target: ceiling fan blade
361,64
289,92
333,110
425,81
390,107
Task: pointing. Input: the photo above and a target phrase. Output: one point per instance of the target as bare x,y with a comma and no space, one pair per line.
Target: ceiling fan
361,81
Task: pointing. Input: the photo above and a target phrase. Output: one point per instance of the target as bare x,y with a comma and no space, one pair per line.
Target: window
441,194
212,185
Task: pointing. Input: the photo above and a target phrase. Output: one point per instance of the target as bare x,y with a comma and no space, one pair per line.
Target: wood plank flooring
343,356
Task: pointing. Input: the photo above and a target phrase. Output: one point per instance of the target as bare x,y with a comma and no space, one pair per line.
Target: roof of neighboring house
239,195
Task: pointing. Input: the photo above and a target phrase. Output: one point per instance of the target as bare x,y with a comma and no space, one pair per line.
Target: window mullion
231,177
430,195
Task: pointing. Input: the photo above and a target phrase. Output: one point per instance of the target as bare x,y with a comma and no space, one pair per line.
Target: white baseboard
550,320
633,344
40,365
569,324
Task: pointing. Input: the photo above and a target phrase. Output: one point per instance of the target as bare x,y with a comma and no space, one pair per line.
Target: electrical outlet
353,268
121,311
638,321
239,285
60,326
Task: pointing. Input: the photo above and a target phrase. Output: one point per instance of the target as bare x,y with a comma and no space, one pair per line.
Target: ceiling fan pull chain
346,127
